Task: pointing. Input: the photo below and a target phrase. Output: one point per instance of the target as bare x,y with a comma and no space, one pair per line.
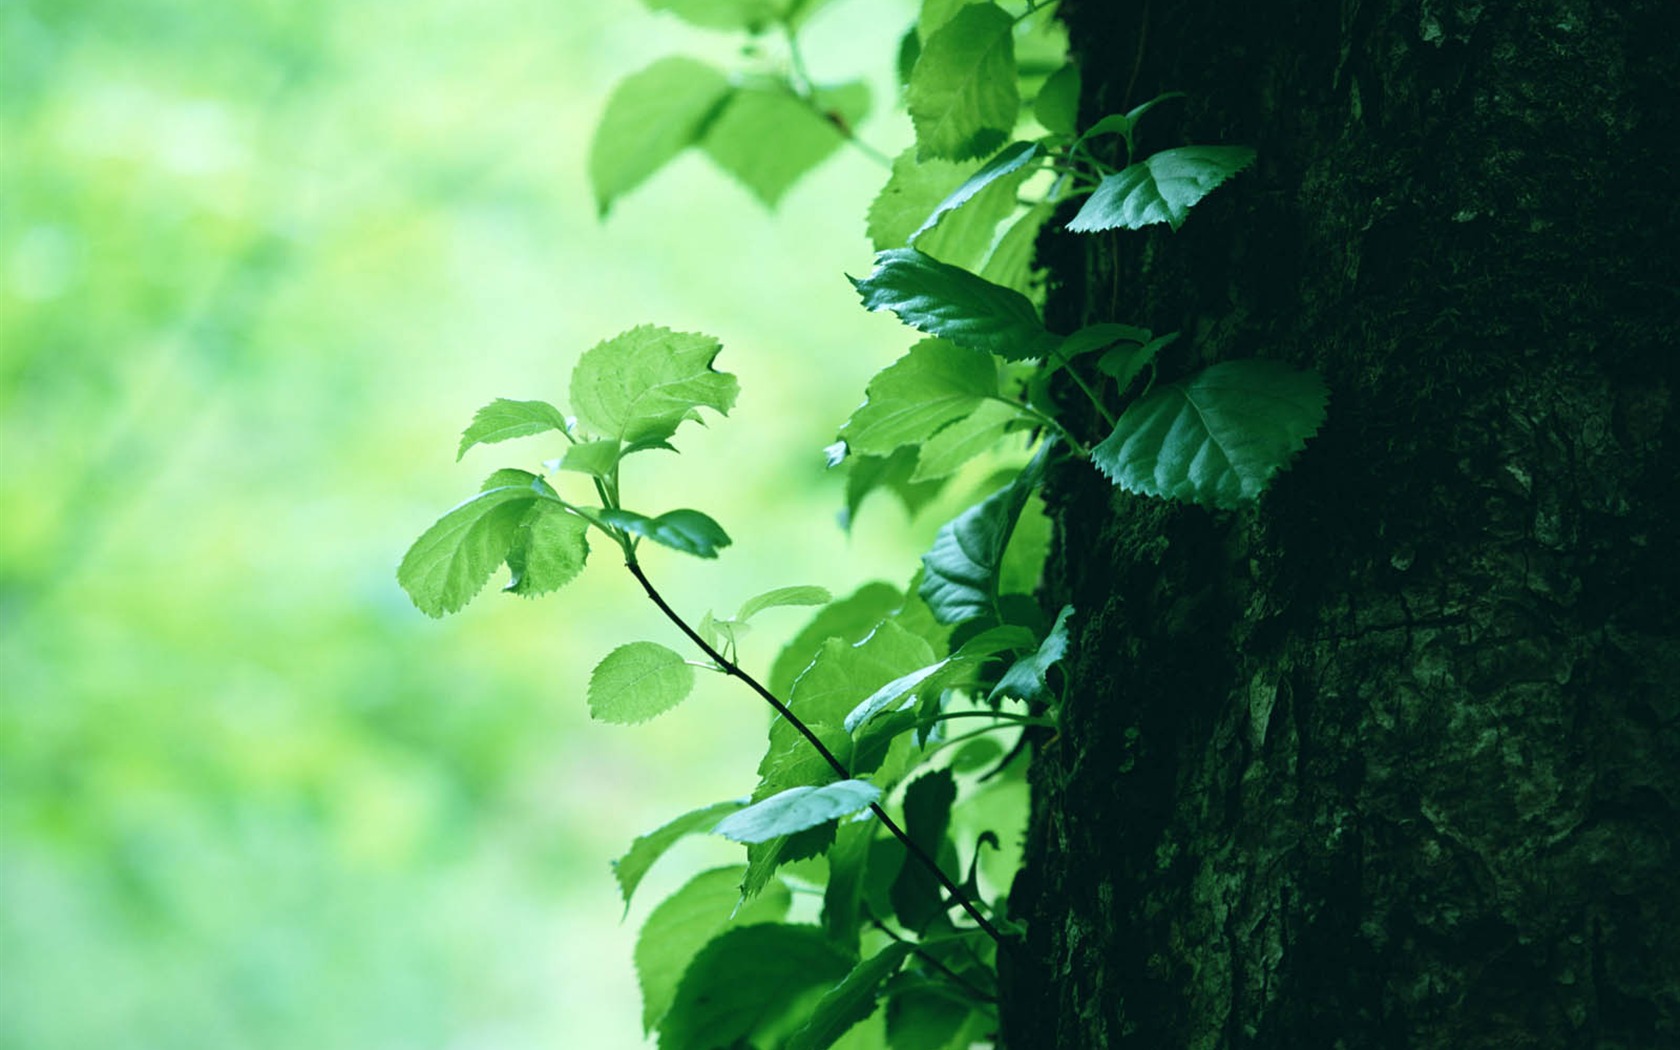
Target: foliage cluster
890,794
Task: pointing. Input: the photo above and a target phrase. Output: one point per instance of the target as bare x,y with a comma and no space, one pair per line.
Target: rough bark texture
1392,759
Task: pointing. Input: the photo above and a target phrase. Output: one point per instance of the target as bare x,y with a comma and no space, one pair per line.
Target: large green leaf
961,236
685,922
1011,263
962,94
452,560
912,398
954,446
842,674
796,809
646,849
688,531
849,619
640,385
652,116
548,550
1216,438
503,419
1161,188
767,137
1011,160
746,978
638,681
956,305
961,569
851,1001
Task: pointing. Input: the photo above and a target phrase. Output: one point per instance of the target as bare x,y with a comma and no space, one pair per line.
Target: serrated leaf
796,809
548,550
1011,160
850,620
1057,104
800,764
961,569
916,894
1216,438
962,95
504,419
639,386
686,922
954,446
753,16
911,399
962,237
597,458
453,559
850,1002
638,681
1025,678
767,137
652,116
1161,188
745,979
646,849
688,531
772,599
891,472
956,305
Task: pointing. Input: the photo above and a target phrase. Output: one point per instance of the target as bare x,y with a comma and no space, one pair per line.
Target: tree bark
1391,759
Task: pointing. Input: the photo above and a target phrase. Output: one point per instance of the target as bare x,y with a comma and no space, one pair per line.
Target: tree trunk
1393,758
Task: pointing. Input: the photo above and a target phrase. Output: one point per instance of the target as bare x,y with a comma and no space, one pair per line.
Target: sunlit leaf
746,978
592,457
1057,104
651,117
503,419
954,446
1009,161
646,849
851,1001
1161,188
640,385
767,137
891,472
911,399
752,16
548,550
850,619
962,94
638,681
688,531
453,559
782,596
797,809
959,306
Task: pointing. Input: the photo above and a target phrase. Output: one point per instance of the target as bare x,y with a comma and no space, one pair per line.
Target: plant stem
731,668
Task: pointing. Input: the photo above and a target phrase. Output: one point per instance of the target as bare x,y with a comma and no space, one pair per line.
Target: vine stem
734,669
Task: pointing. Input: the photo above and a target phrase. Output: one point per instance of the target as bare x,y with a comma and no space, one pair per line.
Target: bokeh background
260,261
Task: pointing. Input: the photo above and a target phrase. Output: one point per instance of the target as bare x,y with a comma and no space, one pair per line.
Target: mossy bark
1391,759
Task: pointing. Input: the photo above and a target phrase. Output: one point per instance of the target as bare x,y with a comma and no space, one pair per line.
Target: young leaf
630,868
688,531
850,620
452,560
1025,679
797,809
946,452
767,137
962,95
1216,438
745,979
1160,188
912,398
851,1001
950,302
503,419
752,16
1011,159
916,895
651,117
548,550
961,581
638,386
638,681
781,596
685,922
591,457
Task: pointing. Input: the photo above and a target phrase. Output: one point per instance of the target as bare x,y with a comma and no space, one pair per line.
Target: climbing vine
891,784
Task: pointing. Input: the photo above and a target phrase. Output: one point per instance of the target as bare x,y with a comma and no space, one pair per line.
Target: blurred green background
259,264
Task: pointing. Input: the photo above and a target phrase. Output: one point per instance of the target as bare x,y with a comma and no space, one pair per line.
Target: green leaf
912,398
954,446
630,868
638,681
961,581
745,979
962,96
841,673
1011,261
797,809
1160,188
851,1001
950,302
1216,438
962,237
935,13
767,137
1012,159
548,550
1125,124
891,472
893,692
598,458
1057,104
452,560
1025,679
919,1019
781,596
639,386
753,16
917,897
844,890
652,116
503,419
849,620
688,531
686,922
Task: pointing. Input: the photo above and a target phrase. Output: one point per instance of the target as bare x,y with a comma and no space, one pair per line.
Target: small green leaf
1025,679
916,894
912,398
962,95
950,302
452,560
640,385
548,551
1216,438
1010,160
1160,188
893,692
638,681
753,16
797,809
630,868
688,531
599,458
652,116
685,922
745,979
844,891
503,419
1057,105
767,137
954,446
961,581
850,620
851,1001
1124,124
803,595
